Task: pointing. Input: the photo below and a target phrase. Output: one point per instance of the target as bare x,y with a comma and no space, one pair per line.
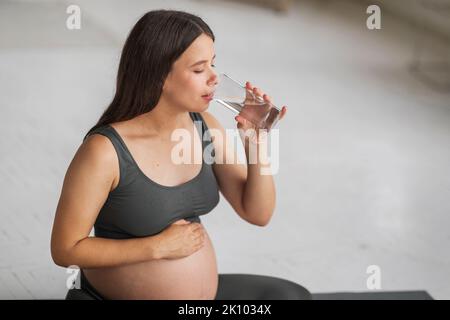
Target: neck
163,119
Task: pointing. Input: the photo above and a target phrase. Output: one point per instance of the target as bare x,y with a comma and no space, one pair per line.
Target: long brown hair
156,41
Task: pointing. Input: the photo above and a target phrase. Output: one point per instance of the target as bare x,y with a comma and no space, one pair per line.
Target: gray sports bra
140,207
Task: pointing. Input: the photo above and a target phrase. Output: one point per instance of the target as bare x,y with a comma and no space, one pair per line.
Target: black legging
257,287
231,287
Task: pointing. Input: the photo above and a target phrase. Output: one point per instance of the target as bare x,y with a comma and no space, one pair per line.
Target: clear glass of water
240,100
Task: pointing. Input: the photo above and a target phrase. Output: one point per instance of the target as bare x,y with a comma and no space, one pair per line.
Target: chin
201,107
206,107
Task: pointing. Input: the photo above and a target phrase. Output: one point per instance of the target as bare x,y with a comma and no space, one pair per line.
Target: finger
283,112
258,91
241,120
267,98
198,233
197,226
181,221
249,91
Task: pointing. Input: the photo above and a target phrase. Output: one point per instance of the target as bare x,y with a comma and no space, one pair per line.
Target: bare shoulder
97,147
96,156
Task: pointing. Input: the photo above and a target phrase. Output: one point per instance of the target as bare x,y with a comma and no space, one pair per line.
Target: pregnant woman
149,242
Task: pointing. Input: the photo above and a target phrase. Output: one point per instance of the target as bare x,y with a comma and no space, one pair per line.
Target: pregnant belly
191,277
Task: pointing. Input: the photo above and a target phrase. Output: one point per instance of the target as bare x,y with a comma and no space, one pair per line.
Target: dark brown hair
156,41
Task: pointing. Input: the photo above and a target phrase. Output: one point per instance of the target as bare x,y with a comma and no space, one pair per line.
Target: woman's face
192,77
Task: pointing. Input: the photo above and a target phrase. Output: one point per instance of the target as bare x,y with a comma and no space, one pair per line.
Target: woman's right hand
182,238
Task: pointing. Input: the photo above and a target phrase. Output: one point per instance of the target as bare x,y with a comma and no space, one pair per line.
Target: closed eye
200,71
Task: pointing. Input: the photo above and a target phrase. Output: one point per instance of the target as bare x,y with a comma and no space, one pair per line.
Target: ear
164,88
167,81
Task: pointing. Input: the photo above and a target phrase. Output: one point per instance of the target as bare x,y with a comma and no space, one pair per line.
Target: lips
208,97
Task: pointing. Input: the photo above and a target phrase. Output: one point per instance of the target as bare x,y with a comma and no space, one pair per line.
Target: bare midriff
193,277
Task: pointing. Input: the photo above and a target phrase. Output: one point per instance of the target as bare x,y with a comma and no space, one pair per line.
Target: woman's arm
251,194
88,181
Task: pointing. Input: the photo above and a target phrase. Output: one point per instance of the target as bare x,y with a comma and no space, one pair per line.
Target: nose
214,80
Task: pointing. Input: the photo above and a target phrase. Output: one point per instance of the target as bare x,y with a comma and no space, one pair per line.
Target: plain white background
364,174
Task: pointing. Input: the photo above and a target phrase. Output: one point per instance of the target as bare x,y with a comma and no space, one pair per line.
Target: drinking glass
242,101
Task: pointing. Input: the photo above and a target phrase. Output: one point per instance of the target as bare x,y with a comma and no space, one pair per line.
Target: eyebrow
200,62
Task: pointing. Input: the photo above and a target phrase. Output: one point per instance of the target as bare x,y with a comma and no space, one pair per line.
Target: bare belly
193,277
